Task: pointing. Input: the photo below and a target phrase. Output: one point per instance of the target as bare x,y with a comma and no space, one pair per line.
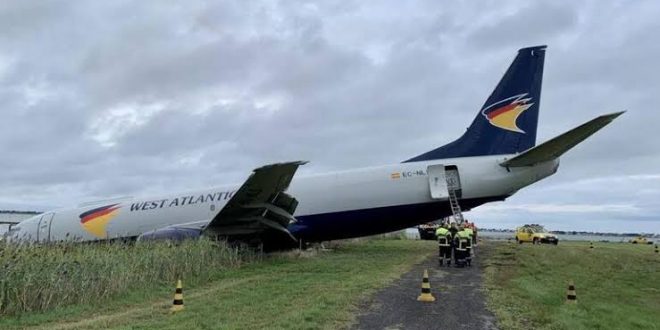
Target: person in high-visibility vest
461,241
453,229
468,253
472,227
444,244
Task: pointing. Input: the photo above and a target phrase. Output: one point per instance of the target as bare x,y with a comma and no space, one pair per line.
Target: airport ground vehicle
535,234
427,230
640,240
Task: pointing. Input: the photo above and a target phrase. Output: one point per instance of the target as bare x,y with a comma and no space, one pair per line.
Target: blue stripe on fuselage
365,222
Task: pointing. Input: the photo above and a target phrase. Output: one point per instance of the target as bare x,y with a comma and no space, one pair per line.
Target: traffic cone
177,305
571,296
426,289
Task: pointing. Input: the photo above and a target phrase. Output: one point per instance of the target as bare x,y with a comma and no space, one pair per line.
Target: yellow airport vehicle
640,240
535,234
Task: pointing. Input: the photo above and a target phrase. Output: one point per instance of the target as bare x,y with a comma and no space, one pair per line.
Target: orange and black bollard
426,295
571,296
177,305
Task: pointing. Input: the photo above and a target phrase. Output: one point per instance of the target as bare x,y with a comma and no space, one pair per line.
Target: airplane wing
260,207
7,222
559,145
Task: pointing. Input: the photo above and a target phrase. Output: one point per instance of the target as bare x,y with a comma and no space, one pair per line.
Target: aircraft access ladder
455,207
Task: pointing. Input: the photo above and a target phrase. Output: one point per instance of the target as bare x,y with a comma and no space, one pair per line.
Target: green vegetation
309,289
618,286
43,277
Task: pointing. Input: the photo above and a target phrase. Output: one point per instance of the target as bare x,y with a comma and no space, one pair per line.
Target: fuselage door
43,228
453,179
437,182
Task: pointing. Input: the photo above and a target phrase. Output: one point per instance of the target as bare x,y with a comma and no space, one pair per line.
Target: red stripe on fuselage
98,214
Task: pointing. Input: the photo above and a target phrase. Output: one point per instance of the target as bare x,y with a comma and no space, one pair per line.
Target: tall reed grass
44,277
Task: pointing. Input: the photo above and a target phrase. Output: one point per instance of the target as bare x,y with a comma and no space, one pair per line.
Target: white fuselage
332,205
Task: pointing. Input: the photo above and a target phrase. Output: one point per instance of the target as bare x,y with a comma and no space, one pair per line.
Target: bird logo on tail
505,113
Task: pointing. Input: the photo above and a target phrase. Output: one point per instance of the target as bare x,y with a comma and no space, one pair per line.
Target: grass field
39,278
617,285
309,290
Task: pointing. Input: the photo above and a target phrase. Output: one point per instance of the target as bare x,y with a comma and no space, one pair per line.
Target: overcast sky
116,98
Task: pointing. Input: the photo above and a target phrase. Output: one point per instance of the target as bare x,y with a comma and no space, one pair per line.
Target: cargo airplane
492,160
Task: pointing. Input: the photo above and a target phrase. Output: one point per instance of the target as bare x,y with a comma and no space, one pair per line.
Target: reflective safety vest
471,235
444,236
463,240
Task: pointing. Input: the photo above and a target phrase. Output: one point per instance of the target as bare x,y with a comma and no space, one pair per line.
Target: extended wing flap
559,145
264,183
259,204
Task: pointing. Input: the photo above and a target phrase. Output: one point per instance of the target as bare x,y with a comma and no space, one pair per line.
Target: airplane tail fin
558,145
506,124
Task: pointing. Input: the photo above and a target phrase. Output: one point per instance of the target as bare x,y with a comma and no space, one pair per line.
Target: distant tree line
568,232
18,212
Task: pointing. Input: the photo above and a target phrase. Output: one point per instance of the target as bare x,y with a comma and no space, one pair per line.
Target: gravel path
460,301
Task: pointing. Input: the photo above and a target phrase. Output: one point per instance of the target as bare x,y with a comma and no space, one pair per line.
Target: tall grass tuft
44,277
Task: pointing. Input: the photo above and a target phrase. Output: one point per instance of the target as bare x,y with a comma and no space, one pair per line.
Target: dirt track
460,301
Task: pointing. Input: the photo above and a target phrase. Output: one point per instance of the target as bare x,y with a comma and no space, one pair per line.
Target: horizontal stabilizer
557,146
7,222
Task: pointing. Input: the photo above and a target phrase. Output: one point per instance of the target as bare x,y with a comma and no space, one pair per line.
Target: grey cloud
131,98
528,23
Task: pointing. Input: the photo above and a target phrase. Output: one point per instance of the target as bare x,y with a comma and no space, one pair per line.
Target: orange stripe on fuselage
98,214
98,226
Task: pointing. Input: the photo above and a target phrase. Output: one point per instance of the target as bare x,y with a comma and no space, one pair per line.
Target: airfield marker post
426,295
571,295
177,304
